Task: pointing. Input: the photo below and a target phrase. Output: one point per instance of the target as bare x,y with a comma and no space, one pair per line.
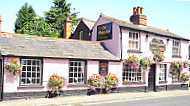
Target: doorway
151,78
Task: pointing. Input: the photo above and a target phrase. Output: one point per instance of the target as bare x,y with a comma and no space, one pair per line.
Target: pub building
112,42
135,38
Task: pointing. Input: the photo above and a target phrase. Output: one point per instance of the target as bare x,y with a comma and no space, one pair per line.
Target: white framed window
175,47
77,72
31,72
133,43
162,74
81,35
129,75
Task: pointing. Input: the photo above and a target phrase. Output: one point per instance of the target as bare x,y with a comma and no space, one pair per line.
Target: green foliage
25,14
39,27
106,82
184,77
145,63
56,82
57,14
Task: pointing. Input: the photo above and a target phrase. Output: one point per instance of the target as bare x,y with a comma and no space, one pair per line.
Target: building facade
83,30
135,38
113,41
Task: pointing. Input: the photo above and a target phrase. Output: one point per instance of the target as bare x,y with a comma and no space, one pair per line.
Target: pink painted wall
115,68
51,66
144,48
113,44
92,68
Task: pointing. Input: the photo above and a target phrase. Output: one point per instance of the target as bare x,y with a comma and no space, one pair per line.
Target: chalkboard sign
103,68
157,45
104,32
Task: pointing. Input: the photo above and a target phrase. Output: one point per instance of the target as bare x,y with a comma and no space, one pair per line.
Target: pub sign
104,32
103,68
157,45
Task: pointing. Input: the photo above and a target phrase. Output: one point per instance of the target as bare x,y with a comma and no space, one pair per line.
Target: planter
101,91
50,94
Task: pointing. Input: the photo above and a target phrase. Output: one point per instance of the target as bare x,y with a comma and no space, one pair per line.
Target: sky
173,15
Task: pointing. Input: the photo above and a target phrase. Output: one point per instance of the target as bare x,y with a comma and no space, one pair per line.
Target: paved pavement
77,100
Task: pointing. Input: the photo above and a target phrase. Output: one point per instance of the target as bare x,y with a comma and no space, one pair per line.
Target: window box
134,51
134,83
77,85
163,82
34,86
176,56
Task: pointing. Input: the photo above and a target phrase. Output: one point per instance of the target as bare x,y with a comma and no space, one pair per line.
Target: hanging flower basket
145,63
13,67
132,61
176,65
185,64
159,57
184,77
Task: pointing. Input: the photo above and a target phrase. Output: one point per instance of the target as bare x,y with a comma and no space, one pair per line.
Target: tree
39,27
25,14
57,14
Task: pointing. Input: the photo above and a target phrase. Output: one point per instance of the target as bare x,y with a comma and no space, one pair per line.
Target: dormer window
81,35
175,47
133,40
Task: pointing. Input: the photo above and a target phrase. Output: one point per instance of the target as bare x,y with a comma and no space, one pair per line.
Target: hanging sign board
104,32
157,45
103,68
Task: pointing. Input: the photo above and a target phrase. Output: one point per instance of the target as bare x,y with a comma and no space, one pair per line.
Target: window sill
30,86
128,83
163,82
177,82
77,85
176,56
134,51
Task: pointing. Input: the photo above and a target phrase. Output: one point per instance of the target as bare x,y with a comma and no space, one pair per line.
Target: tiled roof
89,23
143,28
32,46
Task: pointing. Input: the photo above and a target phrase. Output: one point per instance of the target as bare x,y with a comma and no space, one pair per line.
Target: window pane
29,68
33,62
29,62
130,35
24,68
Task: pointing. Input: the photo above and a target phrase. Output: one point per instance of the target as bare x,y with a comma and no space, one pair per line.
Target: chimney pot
138,10
142,10
134,11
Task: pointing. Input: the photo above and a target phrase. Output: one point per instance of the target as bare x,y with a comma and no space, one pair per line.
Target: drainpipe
121,46
2,78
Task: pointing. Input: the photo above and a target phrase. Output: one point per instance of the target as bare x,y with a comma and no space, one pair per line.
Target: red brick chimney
67,28
138,17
